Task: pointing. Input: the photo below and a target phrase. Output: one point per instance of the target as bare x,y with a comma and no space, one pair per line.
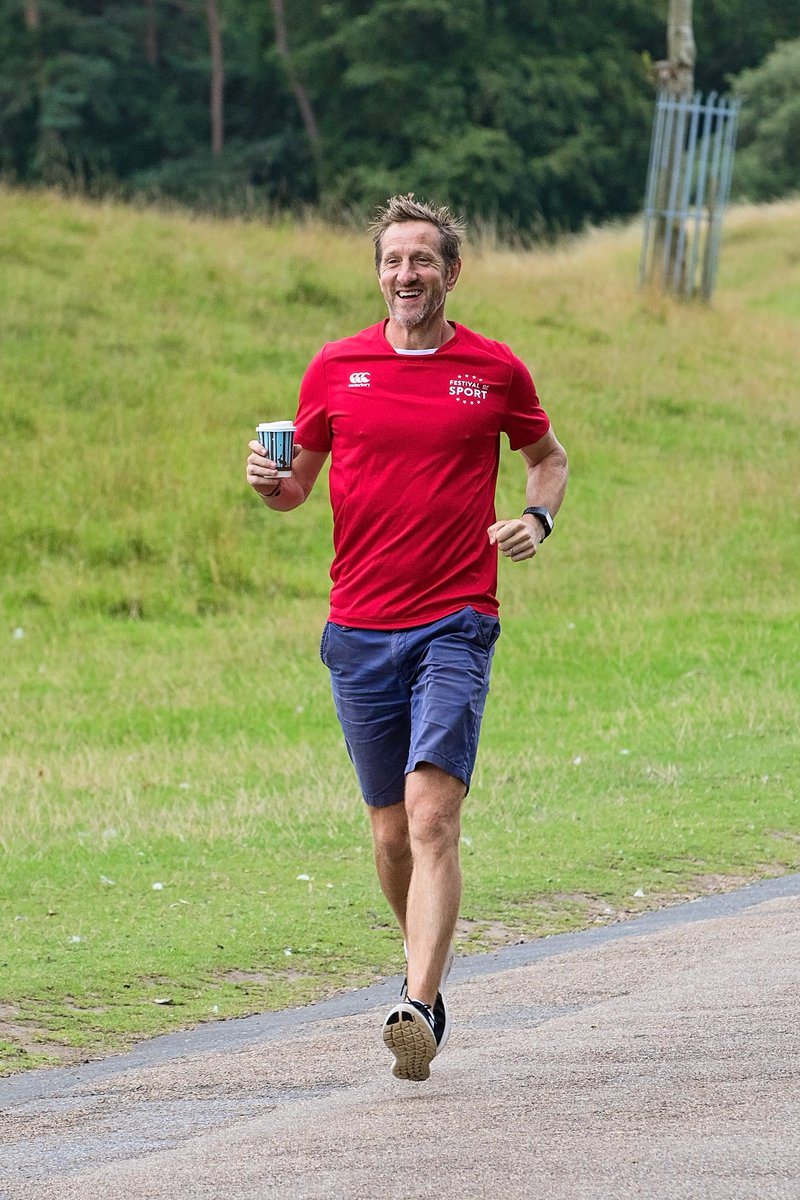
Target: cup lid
275,425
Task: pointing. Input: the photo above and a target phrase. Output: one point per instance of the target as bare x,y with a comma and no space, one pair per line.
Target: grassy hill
638,741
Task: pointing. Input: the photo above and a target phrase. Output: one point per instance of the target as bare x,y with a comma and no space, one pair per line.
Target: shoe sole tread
409,1037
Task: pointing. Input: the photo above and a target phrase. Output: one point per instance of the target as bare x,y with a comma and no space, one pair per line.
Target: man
411,411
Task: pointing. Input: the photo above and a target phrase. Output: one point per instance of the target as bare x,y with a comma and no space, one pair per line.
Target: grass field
180,835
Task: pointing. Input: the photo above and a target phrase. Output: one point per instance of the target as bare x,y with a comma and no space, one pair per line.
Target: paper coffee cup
277,438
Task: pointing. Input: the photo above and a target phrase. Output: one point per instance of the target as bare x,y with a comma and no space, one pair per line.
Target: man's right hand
262,475
262,472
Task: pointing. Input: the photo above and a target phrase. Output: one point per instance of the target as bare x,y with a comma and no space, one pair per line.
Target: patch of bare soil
28,1038
562,911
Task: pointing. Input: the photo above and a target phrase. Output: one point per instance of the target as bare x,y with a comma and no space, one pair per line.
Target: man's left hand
517,539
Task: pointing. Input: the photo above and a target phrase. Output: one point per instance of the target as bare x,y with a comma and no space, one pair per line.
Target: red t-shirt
415,448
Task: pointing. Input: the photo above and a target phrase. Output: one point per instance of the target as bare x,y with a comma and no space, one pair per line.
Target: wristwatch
544,516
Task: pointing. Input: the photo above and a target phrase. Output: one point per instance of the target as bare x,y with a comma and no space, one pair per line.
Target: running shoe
407,1028
409,1032
441,1022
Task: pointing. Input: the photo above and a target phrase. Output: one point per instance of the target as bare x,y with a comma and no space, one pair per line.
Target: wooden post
150,33
32,14
217,78
301,95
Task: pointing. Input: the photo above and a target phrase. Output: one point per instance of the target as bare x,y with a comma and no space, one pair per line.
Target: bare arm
547,473
520,537
281,495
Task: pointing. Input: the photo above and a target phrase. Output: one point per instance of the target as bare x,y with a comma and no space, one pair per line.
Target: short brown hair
405,208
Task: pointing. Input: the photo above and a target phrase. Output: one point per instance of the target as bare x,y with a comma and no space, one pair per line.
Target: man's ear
455,271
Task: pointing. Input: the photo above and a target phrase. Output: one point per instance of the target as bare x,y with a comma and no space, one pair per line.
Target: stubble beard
433,300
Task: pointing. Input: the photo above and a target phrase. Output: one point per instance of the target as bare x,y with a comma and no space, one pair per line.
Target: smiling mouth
408,295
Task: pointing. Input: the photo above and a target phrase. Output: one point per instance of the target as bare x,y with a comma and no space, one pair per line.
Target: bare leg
433,812
393,861
417,860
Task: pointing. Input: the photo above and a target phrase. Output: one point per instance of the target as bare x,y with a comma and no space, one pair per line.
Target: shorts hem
383,800
438,760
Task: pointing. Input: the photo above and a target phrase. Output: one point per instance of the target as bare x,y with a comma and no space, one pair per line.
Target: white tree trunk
676,76
675,73
681,49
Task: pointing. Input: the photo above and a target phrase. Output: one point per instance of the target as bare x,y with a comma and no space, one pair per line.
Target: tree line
533,114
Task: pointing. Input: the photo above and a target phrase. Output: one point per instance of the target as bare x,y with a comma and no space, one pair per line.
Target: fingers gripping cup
277,438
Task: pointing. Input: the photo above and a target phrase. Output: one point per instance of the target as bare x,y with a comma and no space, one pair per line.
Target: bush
768,161
273,173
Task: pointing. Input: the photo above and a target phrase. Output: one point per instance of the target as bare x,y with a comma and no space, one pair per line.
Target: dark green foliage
534,116
533,120
768,162
248,175
734,34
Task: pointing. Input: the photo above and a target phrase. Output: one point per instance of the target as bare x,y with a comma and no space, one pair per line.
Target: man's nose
407,272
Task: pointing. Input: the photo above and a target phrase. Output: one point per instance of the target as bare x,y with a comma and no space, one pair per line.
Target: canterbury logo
359,379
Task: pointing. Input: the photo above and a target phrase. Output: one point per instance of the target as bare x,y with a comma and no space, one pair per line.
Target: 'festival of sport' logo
469,389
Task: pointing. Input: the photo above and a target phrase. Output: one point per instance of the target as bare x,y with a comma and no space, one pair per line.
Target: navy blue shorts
406,696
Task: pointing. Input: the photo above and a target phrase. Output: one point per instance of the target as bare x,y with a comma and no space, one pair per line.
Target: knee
433,807
432,825
395,849
392,843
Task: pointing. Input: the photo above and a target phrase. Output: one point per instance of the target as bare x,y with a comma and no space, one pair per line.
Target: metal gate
688,183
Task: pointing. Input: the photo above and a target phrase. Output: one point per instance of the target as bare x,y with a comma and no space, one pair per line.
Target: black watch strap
544,516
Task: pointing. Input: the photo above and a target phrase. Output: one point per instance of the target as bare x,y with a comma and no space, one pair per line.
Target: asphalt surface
659,1058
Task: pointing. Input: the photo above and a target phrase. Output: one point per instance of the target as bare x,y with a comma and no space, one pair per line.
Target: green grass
641,733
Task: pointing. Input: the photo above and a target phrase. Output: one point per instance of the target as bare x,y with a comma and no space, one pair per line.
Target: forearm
287,494
283,494
547,480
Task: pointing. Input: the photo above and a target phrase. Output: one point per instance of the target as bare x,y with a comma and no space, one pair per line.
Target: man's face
413,277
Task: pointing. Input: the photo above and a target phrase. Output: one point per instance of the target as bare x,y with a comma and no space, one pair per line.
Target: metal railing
688,183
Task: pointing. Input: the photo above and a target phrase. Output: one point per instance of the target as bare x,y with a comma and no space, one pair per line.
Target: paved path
655,1059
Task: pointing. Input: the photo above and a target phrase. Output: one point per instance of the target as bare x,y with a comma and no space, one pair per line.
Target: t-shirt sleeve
313,425
525,420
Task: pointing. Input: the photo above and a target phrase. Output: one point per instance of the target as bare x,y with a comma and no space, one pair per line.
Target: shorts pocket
488,628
